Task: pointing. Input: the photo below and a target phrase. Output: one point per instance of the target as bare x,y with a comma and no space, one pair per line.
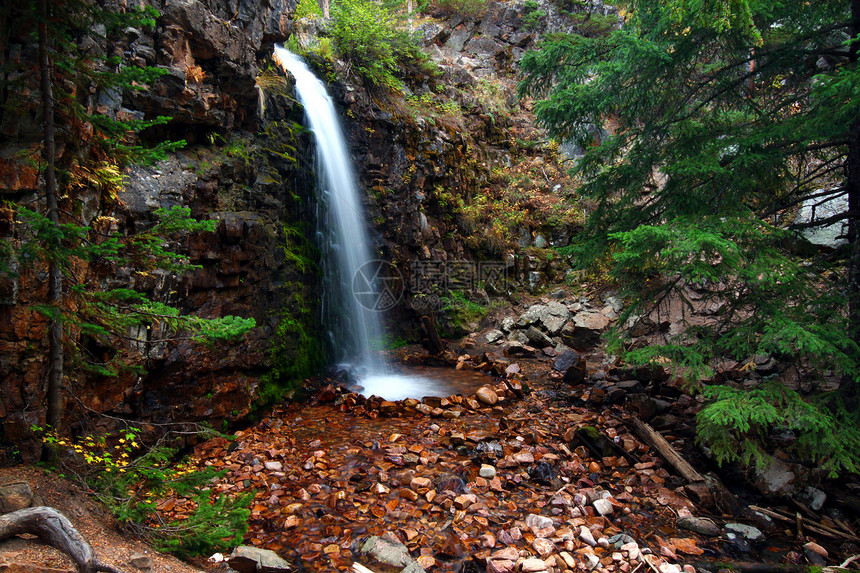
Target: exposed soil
89,518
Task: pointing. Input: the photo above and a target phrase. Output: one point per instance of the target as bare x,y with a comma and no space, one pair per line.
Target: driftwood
653,438
53,528
816,527
723,498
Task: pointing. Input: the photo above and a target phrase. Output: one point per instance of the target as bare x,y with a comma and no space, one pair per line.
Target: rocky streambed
526,475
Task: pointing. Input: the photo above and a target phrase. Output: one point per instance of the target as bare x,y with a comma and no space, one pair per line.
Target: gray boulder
247,559
537,338
386,552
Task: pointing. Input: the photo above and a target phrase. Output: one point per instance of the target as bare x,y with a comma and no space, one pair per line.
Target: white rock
591,560
746,531
273,466
586,536
494,335
533,565
487,471
632,550
602,506
534,521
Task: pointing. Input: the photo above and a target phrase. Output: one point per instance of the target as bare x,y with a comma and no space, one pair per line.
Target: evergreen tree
725,117
96,148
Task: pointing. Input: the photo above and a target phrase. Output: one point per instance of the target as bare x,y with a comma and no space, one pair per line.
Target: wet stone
747,532
602,506
533,565
701,525
534,521
500,566
487,471
543,546
486,395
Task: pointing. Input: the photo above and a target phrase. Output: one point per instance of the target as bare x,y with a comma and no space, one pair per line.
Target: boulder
247,559
494,335
15,496
585,329
553,317
777,478
537,338
565,360
386,552
571,364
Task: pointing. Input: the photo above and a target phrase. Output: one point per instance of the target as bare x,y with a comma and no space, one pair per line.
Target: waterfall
352,326
355,285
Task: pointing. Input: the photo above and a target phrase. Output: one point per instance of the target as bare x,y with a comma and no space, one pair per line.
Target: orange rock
487,395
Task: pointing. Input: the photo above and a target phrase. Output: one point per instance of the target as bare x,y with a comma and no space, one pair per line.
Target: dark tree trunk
53,528
853,186
54,398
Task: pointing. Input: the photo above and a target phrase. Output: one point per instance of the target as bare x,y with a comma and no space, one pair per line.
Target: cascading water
353,327
347,265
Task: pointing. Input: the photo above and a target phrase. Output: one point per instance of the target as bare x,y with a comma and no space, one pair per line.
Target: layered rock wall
233,171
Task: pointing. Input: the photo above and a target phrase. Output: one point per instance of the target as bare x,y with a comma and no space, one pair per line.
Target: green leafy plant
130,479
308,9
366,36
461,309
736,422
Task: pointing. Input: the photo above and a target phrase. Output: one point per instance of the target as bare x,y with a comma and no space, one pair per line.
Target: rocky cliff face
232,172
459,179
450,166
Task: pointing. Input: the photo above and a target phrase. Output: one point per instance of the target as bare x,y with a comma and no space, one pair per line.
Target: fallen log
723,498
599,445
653,438
53,528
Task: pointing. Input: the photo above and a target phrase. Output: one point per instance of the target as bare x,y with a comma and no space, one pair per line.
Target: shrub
461,310
533,15
129,479
307,9
367,39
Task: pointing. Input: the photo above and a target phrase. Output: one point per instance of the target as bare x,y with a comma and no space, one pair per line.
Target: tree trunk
54,398
53,528
852,183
